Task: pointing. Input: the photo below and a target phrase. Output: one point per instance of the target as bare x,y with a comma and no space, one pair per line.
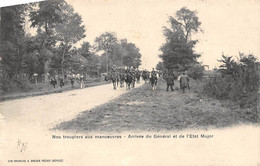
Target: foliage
45,16
106,41
69,32
52,51
160,67
14,84
132,56
196,72
117,54
239,81
12,38
187,20
92,65
177,52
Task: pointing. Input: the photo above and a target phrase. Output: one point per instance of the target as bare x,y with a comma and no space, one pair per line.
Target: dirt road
54,108
25,125
31,118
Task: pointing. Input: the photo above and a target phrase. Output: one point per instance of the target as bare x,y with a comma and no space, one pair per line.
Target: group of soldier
71,77
182,78
130,76
54,82
121,75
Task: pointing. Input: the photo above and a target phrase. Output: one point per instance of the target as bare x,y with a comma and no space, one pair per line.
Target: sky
229,26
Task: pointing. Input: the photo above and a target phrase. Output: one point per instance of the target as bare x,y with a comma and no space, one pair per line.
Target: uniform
184,82
170,81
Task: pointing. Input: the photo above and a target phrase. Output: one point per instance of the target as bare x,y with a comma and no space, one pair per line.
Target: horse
113,78
133,79
128,80
122,79
145,76
138,75
153,80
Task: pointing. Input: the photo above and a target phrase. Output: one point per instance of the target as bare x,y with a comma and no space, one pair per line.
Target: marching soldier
184,82
169,78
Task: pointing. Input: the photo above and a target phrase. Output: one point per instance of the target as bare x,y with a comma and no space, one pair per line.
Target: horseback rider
153,79
154,74
113,77
138,75
122,77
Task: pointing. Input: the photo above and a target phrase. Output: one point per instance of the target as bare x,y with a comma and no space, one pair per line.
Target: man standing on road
169,78
72,80
154,74
82,82
184,81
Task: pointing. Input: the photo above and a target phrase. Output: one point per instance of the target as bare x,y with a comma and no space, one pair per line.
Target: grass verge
44,89
145,110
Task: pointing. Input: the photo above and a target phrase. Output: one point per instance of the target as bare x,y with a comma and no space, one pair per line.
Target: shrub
196,72
239,81
14,84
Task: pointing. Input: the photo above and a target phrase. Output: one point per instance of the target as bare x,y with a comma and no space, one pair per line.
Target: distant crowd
131,76
121,77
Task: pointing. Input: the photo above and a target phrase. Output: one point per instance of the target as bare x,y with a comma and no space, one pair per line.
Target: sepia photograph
130,83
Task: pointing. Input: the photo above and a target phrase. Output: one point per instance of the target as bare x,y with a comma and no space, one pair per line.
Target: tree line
52,50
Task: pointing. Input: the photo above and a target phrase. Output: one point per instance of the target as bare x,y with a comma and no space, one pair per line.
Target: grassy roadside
145,110
44,89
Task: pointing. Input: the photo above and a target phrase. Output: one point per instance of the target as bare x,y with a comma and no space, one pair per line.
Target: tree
93,64
69,32
46,16
32,61
229,66
160,67
85,49
177,52
106,42
12,38
132,56
239,81
116,56
189,21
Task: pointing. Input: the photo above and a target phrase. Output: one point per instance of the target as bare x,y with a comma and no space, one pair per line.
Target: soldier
154,74
81,81
53,81
184,82
61,82
169,80
72,80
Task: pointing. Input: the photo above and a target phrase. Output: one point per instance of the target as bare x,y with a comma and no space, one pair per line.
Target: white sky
229,26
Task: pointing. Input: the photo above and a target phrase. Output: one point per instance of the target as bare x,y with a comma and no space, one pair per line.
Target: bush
14,84
239,81
196,72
